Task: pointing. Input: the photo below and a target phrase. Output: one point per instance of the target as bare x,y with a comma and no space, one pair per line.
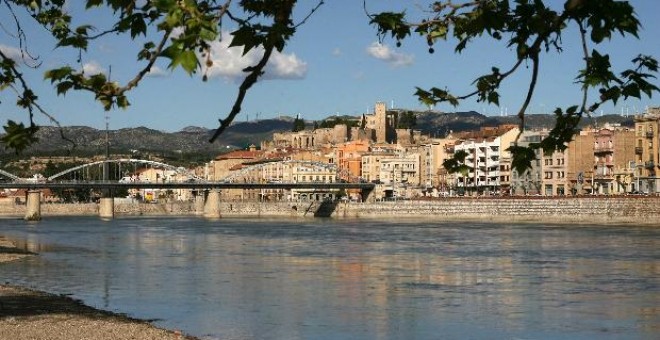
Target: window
548,175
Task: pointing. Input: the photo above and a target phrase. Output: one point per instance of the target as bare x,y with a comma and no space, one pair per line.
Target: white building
485,173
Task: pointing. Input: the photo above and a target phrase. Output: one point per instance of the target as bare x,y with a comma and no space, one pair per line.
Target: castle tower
380,122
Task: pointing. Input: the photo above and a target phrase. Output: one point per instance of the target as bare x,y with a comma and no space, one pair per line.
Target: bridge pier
212,205
33,206
107,208
199,202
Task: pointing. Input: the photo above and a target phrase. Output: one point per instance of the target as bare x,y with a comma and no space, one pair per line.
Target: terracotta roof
240,154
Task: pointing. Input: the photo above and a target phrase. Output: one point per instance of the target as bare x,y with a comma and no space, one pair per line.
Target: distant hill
195,139
440,123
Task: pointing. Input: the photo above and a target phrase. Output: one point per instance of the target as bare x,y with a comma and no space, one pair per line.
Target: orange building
349,158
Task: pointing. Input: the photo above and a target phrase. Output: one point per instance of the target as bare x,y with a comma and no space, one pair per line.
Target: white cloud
91,68
156,72
229,62
12,52
285,66
386,54
336,52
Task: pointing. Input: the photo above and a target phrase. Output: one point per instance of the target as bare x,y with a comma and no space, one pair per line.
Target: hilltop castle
379,127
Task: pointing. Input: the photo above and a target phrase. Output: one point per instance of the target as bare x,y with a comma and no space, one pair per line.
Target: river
350,278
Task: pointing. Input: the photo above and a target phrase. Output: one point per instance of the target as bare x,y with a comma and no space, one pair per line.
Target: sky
333,65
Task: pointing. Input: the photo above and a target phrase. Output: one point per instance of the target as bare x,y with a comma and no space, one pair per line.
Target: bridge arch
9,175
179,170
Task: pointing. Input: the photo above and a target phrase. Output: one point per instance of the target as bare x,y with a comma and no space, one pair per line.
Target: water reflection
353,279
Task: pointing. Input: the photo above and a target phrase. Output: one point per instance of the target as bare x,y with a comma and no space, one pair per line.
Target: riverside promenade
642,209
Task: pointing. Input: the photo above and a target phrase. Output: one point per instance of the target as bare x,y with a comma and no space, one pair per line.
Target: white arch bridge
118,171
116,168
119,168
9,175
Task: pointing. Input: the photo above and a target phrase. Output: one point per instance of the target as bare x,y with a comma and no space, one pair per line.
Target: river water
352,279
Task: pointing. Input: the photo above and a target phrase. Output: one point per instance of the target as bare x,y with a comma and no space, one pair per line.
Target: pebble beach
30,315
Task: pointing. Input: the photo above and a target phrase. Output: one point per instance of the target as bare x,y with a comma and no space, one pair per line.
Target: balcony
638,150
603,149
649,134
601,164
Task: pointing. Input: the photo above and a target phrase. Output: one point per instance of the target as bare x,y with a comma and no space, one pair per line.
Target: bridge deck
180,185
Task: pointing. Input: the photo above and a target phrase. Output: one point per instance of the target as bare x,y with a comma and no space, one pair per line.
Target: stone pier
199,203
33,211
212,206
107,207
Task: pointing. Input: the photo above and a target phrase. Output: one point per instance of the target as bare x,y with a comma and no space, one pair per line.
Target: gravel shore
31,315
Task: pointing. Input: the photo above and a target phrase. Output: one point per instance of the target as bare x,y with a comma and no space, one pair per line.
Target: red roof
240,154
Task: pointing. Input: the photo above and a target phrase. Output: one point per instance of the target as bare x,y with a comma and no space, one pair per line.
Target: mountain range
89,140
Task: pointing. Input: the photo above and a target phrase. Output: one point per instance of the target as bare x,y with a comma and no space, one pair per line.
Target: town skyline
322,72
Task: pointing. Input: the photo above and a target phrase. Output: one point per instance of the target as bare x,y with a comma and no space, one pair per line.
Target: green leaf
247,37
63,87
521,157
58,73
93,3
188,60
18,137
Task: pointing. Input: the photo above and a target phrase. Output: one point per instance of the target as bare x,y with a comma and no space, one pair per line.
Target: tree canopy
533,29
180,31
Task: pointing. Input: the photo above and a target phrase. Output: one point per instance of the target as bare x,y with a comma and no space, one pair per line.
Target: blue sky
333,65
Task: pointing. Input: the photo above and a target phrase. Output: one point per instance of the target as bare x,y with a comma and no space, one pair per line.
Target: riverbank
27,315
635,209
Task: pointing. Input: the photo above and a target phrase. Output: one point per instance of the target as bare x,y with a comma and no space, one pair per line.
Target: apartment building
529,182
371,165
614,157
484,173
647,153
400,175
433,154
349,158
602,161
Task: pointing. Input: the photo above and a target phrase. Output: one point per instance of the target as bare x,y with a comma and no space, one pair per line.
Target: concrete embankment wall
642,209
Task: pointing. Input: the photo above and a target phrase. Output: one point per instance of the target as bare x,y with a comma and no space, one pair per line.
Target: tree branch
530,90
152,60
31,103
281,17
304,20
250,80
585,52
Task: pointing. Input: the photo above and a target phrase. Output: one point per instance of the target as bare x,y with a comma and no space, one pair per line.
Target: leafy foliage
179,31
457,163
533,29
18,136
330,123
406,120
298,125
